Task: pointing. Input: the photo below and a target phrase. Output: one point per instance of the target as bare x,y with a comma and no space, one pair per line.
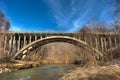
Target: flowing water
51,72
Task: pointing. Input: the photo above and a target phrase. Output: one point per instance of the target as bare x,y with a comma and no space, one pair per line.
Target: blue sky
55,15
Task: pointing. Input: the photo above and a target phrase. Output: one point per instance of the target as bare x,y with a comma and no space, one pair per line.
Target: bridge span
19,43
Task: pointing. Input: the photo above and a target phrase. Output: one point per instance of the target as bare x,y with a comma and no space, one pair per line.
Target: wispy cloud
68,15
72,14
62,12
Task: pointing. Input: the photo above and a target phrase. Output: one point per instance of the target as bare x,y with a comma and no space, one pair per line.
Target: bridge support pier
11,44
115,41
35,37
24,41
96,43
102,45
30,39
105,44
18,48
14,48
85,39
110,42
5,44
40,37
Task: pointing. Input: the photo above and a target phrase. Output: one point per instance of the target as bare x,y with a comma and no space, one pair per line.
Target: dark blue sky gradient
55,15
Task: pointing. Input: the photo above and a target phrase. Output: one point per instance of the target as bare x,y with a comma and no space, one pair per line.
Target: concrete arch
51,39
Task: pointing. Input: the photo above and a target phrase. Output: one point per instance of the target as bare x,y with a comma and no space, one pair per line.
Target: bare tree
116,16
4,26
116,12
4,23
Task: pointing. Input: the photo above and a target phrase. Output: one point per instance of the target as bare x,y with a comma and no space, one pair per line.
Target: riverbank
44,72
18,65
111,72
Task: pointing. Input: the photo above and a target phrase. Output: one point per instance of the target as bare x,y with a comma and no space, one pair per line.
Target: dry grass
94,73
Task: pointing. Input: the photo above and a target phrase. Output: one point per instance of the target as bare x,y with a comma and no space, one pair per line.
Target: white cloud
60,12
70,15
78,21
75,13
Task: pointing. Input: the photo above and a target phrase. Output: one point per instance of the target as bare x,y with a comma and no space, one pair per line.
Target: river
51,72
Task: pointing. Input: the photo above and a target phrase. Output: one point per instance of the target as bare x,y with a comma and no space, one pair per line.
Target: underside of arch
66,39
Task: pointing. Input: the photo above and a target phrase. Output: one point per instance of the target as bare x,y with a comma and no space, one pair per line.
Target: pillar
90,41
5,44
96,43
102,46
110,42
115,42
24,41
40,37
85,39
18,48
35,37
105,44
14,44
11,44
30,39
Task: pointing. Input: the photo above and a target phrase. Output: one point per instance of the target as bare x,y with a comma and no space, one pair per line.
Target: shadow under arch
66,39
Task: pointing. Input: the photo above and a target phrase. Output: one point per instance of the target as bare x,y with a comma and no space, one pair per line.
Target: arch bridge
20,43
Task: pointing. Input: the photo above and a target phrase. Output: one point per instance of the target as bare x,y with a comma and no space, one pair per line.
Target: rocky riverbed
111,72
8,67
2,70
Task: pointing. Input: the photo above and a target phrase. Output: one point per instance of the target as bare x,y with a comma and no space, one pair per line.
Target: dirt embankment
111,72
18,65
